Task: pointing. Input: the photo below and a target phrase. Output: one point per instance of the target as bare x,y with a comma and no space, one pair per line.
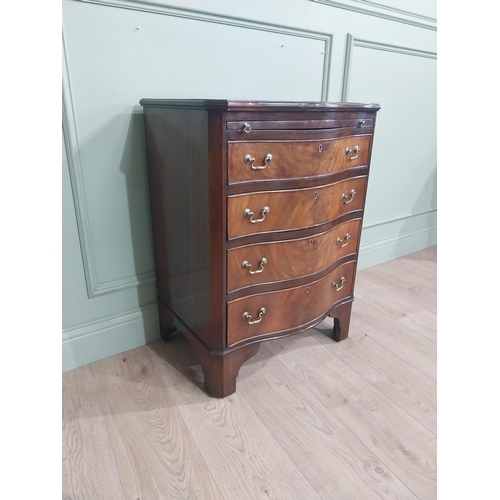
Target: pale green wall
117,52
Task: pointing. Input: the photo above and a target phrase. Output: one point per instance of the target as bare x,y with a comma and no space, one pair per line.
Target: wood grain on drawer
295,159
285,260
288,309
293,208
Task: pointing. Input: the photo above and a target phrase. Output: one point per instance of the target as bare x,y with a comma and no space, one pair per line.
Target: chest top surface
254,105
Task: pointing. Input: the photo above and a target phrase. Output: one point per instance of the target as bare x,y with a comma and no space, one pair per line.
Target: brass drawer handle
361,123
349,152
250,160
248,317
247,264
249,214
344,241
337,286
246,128
348,199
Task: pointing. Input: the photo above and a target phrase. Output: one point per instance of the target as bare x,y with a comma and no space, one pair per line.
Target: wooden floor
311,418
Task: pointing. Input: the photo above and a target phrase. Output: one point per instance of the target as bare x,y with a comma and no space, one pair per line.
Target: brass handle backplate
352,153
249,214
344,241
246,265
250,160
348,199
248,317
337,286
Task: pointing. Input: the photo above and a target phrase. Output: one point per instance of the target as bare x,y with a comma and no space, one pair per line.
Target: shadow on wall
133,165
114,171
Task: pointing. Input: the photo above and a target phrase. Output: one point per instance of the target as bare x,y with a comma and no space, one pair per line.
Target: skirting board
391,248
101,339
98,340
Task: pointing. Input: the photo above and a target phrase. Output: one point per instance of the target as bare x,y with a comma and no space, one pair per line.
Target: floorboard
88,468
404,445
330,457
243,456
154,450
404,385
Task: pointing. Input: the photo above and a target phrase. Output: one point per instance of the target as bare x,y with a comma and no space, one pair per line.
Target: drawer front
247,126
283,260
278,312
293,208
253,161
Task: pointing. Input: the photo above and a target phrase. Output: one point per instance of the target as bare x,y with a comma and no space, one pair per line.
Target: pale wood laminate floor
311,418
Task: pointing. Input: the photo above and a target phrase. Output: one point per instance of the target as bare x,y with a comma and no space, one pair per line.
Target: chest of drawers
256,210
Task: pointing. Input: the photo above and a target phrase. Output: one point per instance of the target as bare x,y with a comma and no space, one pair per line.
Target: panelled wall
116,52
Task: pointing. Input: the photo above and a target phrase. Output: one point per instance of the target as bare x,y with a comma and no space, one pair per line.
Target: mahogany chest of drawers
256,210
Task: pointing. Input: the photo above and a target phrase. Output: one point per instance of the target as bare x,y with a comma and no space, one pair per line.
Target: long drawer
254,161
337,120
278,312
293,208
284,260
